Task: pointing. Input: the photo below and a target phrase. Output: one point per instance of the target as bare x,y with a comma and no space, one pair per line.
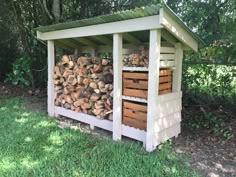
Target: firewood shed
146,97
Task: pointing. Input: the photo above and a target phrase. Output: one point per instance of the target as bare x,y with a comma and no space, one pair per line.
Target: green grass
31,144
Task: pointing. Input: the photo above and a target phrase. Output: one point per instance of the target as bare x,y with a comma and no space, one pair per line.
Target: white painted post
153,85
117,91
51,64
93,52
92,127
177,74
76,53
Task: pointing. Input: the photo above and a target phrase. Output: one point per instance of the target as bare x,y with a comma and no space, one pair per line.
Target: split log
84,85
136,60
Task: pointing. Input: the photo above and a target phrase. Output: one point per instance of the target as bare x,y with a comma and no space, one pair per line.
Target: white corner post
177,74
117,81
93,52
51,64
153,85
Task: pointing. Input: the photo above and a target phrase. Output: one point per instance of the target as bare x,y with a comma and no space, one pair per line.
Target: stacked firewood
85,85
136,60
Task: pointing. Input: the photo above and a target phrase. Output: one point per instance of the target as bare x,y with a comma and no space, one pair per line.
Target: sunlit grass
31,144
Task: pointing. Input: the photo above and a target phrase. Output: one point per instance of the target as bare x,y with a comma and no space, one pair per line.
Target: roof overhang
137,24
154,18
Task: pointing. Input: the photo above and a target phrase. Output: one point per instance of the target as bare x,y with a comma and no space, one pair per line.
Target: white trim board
92,120
127,131
138,24
177,30
51,64
134,133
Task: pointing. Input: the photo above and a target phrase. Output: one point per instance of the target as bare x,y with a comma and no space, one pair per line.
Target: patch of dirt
10,90
210,154
36,99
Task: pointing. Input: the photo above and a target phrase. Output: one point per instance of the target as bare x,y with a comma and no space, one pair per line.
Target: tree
213,20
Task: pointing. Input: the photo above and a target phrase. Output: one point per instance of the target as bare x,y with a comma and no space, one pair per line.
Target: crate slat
134,75
165,79
165,72
135,106
139,84
144,75
161,92
135,123
135,93
135,84
165,86
132,113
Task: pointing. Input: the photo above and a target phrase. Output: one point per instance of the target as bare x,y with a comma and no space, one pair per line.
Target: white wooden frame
138,24
153,86
51,64
164,111
177,30
177,75
117,82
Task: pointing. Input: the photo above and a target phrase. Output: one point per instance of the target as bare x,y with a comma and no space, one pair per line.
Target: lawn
31,144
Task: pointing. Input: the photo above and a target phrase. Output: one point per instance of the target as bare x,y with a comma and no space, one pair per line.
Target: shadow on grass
32,145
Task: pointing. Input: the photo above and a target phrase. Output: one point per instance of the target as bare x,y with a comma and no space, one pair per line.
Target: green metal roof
119,16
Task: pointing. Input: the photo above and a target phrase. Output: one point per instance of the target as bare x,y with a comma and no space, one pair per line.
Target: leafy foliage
213,20
21,73
210,81
213,123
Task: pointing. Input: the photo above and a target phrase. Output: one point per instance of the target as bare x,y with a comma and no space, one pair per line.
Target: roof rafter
86,41
168,37
70,43
131,38
62,45
103,39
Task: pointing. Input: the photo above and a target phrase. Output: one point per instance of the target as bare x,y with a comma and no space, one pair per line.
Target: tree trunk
56,9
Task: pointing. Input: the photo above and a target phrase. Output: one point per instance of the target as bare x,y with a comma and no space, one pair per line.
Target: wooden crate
135,115
135,84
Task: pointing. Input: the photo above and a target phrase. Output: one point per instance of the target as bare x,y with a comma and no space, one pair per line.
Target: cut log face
84,85
136,60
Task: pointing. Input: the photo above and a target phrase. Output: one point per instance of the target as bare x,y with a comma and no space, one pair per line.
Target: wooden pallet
135,115
135,84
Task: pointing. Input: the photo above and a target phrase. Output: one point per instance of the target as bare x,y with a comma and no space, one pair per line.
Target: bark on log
84,85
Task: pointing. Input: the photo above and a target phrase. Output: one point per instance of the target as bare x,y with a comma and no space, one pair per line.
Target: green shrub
21,72
213,123
210,82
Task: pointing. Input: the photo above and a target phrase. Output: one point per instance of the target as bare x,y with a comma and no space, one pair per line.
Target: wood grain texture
135,93
164,86
135,75
165,79
132,113
139,84
135,123
135,106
